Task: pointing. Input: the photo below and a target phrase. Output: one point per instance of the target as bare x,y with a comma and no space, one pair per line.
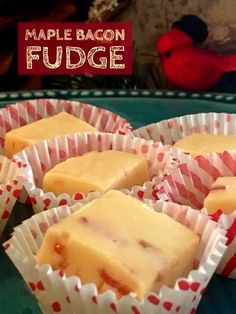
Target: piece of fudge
97,171
203,144
60,124
222,196
121,243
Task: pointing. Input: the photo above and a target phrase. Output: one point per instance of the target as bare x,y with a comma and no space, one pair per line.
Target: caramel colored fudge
222,196
203,144
96,171
60,124
120,243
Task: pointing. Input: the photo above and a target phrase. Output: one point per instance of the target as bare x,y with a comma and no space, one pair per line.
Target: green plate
140,108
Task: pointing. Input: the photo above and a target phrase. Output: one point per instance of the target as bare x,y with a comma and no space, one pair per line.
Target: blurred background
150,18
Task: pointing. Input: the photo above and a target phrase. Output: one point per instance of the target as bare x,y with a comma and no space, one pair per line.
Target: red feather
228,63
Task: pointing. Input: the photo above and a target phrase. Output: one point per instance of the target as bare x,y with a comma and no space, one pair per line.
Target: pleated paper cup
190,183
43,156
21,113
170,131
11,183
57,293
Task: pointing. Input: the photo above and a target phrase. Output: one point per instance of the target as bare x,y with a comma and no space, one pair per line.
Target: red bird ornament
187,66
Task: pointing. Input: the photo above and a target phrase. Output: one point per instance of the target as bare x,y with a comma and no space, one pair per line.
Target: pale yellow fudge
60,124
121,243
97,171
222,196
203,144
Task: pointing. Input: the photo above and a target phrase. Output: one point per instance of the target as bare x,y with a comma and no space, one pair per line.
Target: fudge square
120,243
202,144
221,196
97,171
59,124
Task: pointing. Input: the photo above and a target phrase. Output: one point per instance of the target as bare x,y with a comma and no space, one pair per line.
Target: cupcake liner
11,178
43,156
16,115
190,183
21,113
171,130
57,293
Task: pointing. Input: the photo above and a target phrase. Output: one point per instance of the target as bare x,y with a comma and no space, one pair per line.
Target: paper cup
16,115
171,130
190,183
57,293
43,156
21,113
11,178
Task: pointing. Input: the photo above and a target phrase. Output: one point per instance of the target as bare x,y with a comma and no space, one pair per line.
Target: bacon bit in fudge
58,248
83,220
118,240
121,289
147,245
100,227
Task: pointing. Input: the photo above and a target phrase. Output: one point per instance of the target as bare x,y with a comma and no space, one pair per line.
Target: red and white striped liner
21,113
190,183
43,156
58,294
171,130
11,178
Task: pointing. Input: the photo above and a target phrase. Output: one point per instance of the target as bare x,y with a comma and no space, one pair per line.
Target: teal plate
140,108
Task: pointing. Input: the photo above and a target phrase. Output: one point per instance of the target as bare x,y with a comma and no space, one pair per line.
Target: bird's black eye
167,54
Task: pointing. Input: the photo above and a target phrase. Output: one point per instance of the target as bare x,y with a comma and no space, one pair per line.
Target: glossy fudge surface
222,196
60,124
203,144
120,243
97,171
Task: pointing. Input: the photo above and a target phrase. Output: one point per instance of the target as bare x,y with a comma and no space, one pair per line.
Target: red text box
75,48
